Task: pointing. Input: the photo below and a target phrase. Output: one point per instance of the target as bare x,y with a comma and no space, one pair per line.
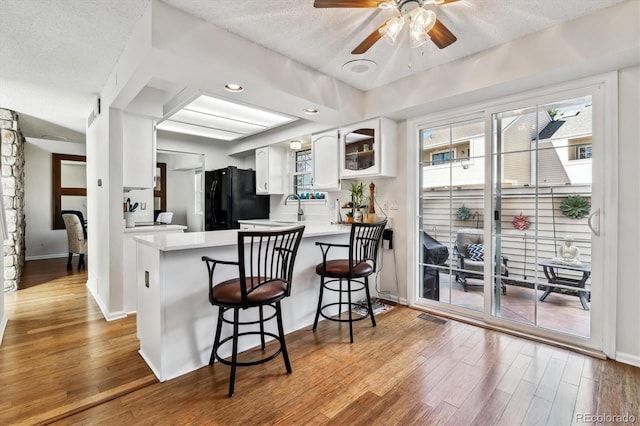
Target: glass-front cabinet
369,149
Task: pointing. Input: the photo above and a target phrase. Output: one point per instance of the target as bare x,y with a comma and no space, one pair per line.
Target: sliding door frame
604,88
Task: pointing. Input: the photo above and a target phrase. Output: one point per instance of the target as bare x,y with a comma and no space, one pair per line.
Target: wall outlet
385,204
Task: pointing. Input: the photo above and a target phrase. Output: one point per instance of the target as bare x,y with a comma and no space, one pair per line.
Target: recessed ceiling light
359,67
233,87
310,111
295,144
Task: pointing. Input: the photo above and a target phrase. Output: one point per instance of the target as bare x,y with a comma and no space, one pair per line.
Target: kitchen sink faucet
300,212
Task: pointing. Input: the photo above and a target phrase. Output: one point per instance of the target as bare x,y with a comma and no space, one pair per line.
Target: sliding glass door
451,205
509,207
542,159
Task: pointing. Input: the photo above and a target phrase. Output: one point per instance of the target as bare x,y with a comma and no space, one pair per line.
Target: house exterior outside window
302,176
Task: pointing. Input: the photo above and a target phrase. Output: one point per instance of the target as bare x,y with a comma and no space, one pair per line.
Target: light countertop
193,240
271,222
153,228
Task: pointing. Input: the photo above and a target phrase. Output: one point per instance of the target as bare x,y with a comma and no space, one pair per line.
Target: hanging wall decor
575,206
463,213
521,222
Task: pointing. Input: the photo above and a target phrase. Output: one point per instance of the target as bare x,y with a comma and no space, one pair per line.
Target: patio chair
469,249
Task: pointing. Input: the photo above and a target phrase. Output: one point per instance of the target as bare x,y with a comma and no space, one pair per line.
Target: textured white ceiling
56,55
323,38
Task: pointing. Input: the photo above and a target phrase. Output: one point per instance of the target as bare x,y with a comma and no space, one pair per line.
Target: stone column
12,153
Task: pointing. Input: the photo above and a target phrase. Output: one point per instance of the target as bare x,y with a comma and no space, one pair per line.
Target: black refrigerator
230,195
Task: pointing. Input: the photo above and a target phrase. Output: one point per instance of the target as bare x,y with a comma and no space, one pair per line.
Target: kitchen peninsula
176,322
129,261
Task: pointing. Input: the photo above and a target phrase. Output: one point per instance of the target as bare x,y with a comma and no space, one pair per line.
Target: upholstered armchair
469,249
76,235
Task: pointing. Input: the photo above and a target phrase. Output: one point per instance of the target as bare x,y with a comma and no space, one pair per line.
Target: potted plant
349,217
357,194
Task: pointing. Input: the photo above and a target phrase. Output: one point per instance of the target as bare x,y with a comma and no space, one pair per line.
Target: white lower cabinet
129,260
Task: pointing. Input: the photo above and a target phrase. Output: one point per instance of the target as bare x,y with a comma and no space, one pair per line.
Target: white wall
215,152
628,336
3,315
40,240
179,189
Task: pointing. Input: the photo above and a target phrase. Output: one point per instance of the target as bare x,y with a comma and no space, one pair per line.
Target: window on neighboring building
441,157
580,148
302,175
583,152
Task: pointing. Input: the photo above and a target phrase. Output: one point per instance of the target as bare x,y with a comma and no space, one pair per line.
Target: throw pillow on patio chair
469,249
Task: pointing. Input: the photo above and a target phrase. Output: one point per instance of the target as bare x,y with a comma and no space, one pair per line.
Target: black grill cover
434,252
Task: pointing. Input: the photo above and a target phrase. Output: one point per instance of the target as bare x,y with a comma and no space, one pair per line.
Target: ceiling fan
422,21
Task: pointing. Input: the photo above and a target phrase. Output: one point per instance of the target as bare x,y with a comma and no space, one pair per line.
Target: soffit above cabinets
218,118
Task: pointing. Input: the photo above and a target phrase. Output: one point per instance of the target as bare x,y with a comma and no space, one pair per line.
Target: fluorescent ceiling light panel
192,129
234,111
215,122
208,116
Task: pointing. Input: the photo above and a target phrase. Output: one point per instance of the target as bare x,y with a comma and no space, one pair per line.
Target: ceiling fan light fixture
392,28
417,38
422,21
387,4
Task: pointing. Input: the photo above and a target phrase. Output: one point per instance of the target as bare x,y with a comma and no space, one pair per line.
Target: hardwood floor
59,356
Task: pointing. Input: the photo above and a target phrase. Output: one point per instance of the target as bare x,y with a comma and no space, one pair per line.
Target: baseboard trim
3,326
46,256
109,316
627,358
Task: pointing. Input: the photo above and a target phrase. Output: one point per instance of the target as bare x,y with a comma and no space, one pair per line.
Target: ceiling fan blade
369,41
441,35
449,1
345,3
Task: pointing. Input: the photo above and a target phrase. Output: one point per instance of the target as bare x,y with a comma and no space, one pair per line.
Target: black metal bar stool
363,246
265,269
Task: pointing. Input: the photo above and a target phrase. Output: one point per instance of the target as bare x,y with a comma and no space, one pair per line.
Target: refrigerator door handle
212,202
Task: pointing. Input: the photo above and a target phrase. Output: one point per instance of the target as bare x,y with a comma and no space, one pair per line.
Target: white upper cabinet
325,154
270,162
369,149
138,152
